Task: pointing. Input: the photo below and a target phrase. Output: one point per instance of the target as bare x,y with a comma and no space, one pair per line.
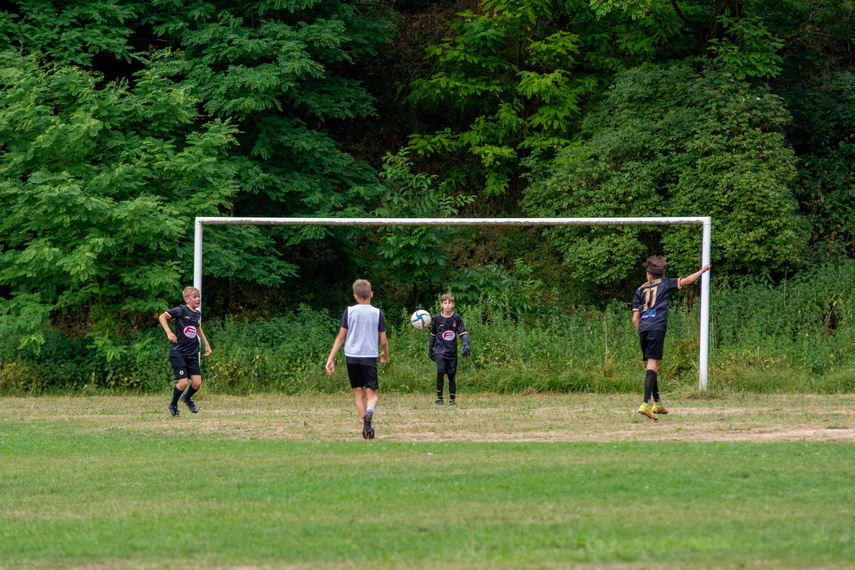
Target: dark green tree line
122,121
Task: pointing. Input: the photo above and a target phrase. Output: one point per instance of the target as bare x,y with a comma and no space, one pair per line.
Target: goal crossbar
705,222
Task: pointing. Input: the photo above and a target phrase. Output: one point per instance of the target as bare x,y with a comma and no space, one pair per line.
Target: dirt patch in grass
477,417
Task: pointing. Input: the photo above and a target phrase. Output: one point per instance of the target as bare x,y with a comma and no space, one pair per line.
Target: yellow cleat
659,409
646,410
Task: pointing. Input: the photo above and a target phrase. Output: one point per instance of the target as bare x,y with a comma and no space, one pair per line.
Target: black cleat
173,410
190,404
438,402
451,402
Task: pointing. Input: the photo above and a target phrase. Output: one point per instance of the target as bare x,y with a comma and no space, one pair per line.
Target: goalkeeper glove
466,351
431,344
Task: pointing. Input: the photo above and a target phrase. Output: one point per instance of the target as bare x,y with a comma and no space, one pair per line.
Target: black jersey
446,330
187,325
652,300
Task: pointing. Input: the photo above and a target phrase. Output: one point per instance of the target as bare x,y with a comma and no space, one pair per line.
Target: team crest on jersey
448,335
190,331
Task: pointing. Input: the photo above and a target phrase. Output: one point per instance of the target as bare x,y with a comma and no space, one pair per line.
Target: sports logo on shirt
190,331
448,335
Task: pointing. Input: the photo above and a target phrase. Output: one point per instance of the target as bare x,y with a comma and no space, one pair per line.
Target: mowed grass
269,481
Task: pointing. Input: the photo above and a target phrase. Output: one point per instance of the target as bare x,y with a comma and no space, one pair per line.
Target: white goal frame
705,222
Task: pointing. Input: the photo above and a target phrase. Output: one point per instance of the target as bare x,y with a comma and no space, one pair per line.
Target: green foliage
235,123
70,31
494,287
267,107
413,255
668,142
747,49
635,8
512,79
280,70
822,132
99,185
802,323
790,338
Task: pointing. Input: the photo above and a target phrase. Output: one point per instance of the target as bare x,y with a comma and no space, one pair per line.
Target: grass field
520,481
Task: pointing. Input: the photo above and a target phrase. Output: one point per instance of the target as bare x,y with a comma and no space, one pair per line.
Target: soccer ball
420,319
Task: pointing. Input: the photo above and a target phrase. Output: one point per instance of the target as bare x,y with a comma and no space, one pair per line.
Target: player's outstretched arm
694,276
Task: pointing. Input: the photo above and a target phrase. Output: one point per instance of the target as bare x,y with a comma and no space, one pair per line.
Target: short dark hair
656,266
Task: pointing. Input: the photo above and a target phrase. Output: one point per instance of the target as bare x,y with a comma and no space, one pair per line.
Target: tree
73,32
824,136
516,77
414,255
99,185
281,73
279,68
671,142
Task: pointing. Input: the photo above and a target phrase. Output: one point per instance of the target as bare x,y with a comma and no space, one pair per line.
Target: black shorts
446,364
362,376
184,366
652,344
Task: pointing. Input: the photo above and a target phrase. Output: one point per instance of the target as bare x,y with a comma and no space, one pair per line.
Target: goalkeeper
442,348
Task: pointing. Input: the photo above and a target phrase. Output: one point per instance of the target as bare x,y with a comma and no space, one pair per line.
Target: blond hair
447,297
362,289
188,290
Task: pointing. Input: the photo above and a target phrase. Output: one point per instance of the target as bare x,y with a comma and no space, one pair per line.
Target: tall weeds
794,337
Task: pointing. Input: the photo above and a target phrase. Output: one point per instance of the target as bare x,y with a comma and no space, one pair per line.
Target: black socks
452,385
651,387
176,394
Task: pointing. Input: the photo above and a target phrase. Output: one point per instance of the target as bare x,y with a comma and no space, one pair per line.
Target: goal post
705,222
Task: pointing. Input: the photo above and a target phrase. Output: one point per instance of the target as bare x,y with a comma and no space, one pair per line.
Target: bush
793,338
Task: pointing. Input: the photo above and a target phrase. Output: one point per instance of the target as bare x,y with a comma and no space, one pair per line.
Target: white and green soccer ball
420,319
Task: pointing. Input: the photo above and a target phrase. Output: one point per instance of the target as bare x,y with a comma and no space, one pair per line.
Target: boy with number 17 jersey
650,317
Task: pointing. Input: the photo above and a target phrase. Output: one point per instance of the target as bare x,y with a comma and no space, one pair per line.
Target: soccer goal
705,222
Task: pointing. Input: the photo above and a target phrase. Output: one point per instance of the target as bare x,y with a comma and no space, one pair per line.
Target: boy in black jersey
442,348
650,317
184,354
